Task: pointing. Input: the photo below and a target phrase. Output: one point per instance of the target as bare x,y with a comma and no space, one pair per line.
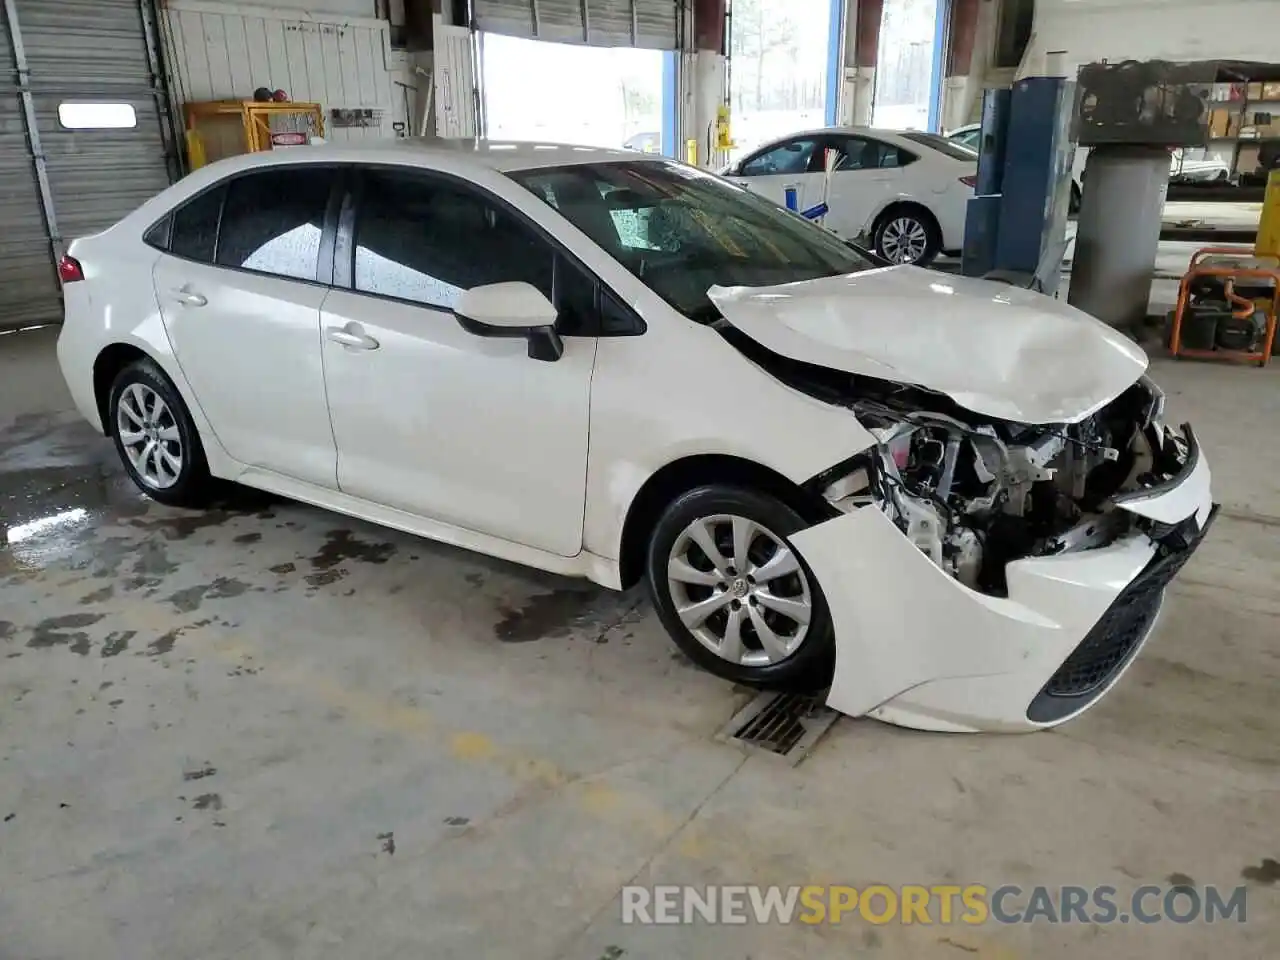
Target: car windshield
681,231
952,148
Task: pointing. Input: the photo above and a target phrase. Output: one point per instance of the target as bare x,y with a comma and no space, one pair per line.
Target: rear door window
273,220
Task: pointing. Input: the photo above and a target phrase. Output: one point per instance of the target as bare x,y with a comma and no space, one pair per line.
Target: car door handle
189,299
357,341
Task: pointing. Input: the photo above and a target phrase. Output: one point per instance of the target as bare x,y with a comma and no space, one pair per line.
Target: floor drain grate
788,724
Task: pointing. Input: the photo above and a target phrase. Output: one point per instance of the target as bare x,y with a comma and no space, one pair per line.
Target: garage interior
268,731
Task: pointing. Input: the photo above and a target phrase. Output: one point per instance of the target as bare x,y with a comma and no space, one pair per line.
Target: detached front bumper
917,648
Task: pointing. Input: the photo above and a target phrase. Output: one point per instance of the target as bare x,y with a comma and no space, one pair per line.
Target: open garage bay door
604,23
84,136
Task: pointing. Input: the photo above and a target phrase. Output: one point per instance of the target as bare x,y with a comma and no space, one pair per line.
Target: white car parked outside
953,500
902,194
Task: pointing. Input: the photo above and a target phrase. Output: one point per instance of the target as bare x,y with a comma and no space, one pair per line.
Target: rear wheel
156,438
908,235
734,594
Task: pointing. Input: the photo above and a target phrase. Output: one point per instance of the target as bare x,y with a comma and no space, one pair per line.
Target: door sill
585,564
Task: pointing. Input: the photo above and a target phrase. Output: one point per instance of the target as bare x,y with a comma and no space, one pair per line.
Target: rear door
794,163
868,174
240,289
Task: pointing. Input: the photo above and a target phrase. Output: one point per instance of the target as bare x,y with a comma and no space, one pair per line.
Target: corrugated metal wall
72,50
225,51
604,23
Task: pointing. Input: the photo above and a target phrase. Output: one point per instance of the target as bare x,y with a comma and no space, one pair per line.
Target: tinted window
859,153
790,157
949,147
195,226
427,240
679,231
158,235
969,138
273,220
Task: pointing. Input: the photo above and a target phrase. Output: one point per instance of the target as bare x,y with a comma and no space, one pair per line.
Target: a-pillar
1119,232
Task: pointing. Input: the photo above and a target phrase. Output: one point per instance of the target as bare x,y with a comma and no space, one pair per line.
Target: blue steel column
941,16
835,59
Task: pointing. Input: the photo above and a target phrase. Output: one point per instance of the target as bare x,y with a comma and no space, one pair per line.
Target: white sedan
902,194
953,501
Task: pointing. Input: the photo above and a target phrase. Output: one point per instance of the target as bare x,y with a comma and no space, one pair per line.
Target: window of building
97,116
1014,31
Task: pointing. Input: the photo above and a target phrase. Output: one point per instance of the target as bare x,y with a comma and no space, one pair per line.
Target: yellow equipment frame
254,131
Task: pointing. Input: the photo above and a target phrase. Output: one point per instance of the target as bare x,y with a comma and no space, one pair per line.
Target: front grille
1115,637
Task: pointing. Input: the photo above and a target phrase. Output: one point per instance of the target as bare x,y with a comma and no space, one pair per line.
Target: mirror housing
513,309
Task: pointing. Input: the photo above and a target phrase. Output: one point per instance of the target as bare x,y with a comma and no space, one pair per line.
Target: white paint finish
468,440
995,349
1190,496
130,315
1092,30
465,430
251,353
857,197
699,397
226,51
515,305
958,659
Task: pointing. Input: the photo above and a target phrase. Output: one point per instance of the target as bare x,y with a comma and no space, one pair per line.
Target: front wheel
908,235
734,594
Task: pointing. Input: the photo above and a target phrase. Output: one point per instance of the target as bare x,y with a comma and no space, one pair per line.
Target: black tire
193,485
933,233
809,667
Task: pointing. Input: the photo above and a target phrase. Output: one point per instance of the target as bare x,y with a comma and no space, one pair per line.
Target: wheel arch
903,203
687,473
107,365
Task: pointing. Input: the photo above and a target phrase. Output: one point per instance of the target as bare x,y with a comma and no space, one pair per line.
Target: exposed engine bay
974,493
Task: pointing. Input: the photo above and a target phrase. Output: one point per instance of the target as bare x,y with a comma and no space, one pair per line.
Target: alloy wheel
149,436
740,590
904,240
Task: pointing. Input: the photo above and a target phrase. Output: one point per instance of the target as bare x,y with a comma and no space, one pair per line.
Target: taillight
969,181
69,270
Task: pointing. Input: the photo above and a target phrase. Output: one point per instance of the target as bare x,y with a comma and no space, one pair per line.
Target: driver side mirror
513,309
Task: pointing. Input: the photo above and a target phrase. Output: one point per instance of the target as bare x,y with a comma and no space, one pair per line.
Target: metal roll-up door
606,23
86,136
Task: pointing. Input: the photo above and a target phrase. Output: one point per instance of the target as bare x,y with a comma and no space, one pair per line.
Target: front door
866,176
432,420
794,164
244,319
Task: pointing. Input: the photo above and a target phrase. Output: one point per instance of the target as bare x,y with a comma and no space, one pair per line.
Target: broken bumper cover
917,648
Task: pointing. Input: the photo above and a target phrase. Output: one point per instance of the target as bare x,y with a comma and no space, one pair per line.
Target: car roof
503,156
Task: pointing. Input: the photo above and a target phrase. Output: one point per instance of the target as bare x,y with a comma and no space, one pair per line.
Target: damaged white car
954,502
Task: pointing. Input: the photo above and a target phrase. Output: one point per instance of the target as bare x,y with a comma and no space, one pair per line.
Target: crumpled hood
998,350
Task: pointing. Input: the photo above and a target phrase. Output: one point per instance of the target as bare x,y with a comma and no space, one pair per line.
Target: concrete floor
266,731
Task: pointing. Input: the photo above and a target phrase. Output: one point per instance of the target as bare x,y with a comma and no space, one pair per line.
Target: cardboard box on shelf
1255,91
1247,158
1219,121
